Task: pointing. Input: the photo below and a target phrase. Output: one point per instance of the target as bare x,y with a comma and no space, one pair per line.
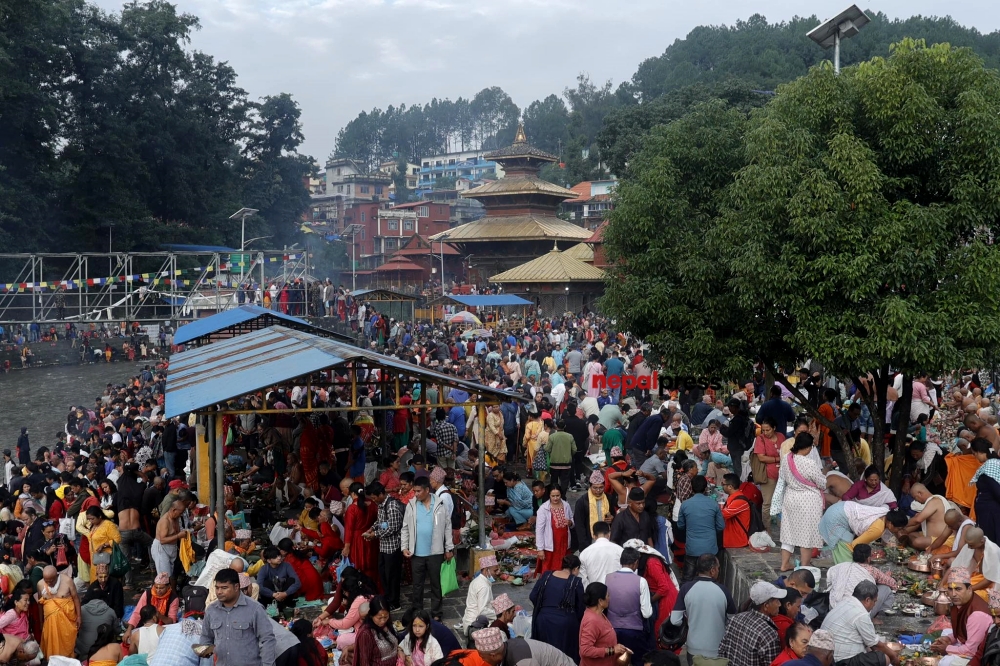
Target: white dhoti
163,557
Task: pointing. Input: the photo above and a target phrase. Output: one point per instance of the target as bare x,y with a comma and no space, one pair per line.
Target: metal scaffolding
134,286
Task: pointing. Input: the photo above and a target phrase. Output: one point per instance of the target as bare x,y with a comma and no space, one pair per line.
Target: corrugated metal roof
519,185
581,251
488,300
555,266
210,375
512,228
398,295
217,323
598,236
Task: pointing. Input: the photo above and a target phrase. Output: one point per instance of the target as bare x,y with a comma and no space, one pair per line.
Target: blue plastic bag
344,563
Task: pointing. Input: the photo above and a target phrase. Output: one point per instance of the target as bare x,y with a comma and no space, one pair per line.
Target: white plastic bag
67,527
521,625
761,540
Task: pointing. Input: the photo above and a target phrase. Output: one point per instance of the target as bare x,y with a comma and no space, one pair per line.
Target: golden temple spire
520,137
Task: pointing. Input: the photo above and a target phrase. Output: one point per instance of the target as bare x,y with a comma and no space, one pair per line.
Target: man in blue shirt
644,439
614,367
702,519
777,409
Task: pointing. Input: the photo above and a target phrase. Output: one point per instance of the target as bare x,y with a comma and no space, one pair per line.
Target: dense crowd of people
632,497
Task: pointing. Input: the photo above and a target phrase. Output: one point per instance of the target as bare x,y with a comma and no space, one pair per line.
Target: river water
40,398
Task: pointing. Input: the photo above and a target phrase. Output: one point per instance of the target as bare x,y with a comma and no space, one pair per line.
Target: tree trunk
901,411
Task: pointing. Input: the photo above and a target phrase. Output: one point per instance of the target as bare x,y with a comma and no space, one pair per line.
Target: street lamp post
242,214
443,292
353,230
844,25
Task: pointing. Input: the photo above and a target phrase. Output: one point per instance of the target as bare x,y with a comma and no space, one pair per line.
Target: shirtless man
17,652
981,557
930,520
129,503
60,613
958,524
982,429
168,534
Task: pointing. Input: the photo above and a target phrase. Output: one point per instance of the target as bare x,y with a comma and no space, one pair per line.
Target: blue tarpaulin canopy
244,319
482,301
206,376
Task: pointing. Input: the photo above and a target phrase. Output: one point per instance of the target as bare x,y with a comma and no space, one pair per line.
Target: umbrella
478,333
464,317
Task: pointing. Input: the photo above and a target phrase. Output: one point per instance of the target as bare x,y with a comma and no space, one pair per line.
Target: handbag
758,468
119,561
67,527
449,577
61,560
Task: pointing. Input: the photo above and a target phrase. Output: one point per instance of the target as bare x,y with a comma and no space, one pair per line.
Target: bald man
982,558
957,523
60,613
17,652
929,521
983,429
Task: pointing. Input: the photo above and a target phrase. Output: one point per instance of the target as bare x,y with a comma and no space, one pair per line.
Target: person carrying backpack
742,516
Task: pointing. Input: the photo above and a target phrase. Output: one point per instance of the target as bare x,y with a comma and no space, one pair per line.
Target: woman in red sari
312,584
662,590
552,526
360,516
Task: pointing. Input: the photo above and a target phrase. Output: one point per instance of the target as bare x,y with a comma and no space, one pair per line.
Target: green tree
625,129
851,221
546,123
444,183
494,118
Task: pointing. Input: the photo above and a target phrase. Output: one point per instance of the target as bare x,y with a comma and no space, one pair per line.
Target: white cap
762,591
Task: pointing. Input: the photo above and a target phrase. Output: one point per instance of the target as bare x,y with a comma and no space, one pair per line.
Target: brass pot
914,564
929,597
942,606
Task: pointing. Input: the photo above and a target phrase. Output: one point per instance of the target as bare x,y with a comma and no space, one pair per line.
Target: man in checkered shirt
446,436
386,529
751,638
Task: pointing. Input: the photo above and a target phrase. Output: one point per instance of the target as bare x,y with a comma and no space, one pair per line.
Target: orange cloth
58,627
957,488
827,411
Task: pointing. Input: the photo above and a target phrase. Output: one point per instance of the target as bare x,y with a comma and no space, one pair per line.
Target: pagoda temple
520,222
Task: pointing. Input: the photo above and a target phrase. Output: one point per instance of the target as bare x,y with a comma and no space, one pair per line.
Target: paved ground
744,567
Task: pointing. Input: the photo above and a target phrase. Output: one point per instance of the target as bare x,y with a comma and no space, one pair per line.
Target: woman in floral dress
803,503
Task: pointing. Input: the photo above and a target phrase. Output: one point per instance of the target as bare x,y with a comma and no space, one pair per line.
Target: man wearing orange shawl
958,484
60,613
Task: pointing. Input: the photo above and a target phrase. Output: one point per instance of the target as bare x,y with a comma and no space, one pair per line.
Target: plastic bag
449,577
67,527
119,561
761,540
344,563
521,625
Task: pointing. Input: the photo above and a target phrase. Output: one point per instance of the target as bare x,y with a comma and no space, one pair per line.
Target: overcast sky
338,57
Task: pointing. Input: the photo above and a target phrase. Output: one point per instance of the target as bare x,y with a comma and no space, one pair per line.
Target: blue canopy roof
486,300
206,376
244,314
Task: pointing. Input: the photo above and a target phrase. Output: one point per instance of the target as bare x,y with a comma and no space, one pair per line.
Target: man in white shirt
479,600
855,638
601,557
559,393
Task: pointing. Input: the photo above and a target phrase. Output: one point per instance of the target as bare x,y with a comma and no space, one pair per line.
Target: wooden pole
481,490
